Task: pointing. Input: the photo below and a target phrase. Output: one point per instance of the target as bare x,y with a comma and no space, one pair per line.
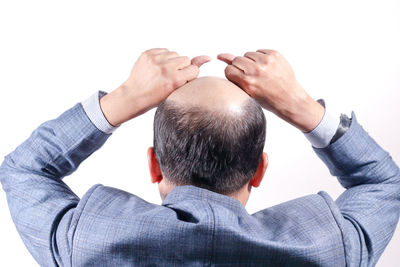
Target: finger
234,74
200,60
156,50
179,62
255,56
189,73
268,51
227,58
166,55
245,64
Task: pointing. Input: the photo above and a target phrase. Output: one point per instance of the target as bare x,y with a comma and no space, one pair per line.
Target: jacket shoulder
109,219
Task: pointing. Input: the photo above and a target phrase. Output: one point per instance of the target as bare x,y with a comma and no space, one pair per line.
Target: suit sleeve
42,206
370,205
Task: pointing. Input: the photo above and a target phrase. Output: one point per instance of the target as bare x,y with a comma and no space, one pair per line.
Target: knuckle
236,60
153,59
274,53
229,70
270,58
147,52
264,59
164,69
176,82
248,80
186,59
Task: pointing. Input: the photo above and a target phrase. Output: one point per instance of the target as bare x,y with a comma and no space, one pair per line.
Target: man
208,153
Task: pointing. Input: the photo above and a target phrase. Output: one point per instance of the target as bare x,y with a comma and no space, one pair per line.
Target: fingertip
190,72
200,60
220,56
208,58
205,59
225,57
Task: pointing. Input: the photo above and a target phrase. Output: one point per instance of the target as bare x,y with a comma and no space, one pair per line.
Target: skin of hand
267,76
154,76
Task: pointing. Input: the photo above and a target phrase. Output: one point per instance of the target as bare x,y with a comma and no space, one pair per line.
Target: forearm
31,177
122,105
357,159
57,147
301,111
371,203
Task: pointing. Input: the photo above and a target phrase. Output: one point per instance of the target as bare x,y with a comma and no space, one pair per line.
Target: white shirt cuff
93,110
321,136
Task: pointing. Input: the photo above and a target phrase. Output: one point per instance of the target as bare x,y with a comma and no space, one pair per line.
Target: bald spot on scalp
211,94
206,131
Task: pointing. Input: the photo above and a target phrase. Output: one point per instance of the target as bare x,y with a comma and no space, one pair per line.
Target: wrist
307,115
301,110
118,107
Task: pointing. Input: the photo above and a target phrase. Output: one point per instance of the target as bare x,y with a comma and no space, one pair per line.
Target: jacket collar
190,192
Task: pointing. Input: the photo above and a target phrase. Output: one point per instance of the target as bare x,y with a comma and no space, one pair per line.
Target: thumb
200,60
227,58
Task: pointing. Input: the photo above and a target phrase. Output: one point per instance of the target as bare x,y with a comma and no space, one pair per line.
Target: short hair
215,150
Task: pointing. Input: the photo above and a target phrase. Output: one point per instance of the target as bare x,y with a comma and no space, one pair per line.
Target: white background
54,54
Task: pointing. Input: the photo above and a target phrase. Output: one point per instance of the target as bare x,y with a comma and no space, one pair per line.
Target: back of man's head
211,134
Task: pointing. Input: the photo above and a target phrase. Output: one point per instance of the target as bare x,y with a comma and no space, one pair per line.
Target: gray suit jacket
194,226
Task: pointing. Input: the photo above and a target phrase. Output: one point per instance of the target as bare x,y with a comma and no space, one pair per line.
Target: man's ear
262,167
154,167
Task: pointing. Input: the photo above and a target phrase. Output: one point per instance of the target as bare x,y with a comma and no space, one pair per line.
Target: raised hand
155,75
267,76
